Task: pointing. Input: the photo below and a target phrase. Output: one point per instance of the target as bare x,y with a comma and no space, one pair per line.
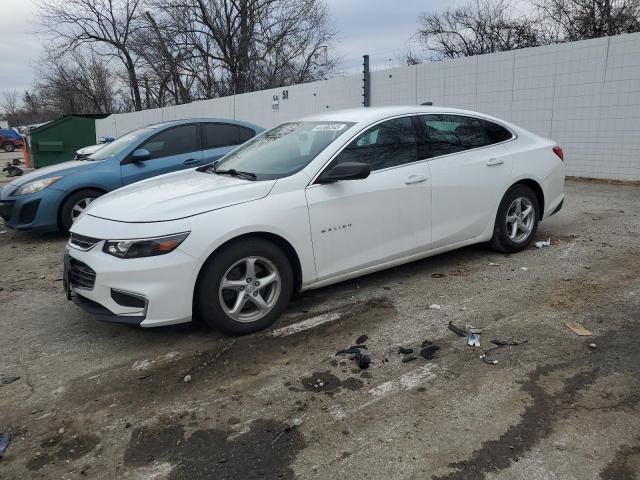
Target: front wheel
245,287
517,220
74,205
8,147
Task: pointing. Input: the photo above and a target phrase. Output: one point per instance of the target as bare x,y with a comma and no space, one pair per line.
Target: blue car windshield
283,150
114,148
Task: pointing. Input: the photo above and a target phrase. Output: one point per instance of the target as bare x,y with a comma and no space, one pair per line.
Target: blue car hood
62,169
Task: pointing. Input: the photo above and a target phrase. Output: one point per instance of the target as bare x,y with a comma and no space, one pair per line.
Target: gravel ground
105,401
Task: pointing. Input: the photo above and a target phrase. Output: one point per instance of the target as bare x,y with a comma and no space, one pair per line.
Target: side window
454,133
218,135
246,134
385,145
497,133
175,141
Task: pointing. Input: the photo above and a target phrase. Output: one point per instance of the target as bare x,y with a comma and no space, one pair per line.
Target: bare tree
105,26
10,102
570,20
75,83
482,26
251,44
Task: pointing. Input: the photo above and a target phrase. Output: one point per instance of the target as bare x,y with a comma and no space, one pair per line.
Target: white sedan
307,204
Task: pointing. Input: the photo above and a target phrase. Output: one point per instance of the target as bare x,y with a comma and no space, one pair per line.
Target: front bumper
37,211
149,292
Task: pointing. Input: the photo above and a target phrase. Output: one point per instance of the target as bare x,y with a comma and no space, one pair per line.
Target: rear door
172,149
218,139
470,167
356,224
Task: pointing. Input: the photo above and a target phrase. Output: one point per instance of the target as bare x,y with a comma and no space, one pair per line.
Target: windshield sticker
329,127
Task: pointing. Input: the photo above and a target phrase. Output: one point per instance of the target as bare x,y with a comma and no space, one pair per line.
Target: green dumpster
58,141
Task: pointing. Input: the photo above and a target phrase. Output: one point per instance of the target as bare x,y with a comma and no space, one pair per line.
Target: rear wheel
8,147
75,204
517,220
245,287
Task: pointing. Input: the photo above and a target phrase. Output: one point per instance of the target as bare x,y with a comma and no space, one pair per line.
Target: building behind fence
585,95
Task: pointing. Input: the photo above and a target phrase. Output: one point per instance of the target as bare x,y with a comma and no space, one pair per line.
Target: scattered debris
543,243
578,329
405,351
428,351
592,345
362,339
434,306
410,358
473,338
186,379
8,379
493,264
61,431
457,330
361,359
12,170
488,361
426,343
438,275
141,365
524,268
499,343
5,438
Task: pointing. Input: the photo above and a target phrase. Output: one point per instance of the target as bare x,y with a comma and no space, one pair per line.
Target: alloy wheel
520,220
249,289
79,207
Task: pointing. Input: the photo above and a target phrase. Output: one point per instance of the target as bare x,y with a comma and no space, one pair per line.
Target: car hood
177,195
61,169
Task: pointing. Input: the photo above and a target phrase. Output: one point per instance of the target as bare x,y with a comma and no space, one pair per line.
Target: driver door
357,224
172,149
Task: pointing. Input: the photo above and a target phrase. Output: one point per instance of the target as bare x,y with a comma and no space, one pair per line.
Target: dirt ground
104,401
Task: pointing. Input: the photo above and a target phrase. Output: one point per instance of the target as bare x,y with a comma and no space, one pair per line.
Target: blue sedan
51,198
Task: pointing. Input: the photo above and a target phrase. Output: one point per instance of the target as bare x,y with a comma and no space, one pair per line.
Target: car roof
205,120
373,114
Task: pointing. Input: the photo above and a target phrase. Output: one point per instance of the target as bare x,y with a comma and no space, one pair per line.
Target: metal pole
366,82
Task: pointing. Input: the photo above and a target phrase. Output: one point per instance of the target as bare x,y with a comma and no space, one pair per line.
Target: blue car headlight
36,185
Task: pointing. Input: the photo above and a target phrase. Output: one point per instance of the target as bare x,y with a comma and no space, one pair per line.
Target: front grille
81,275
81,242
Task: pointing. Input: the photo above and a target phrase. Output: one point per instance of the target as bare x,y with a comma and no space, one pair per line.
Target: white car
307,204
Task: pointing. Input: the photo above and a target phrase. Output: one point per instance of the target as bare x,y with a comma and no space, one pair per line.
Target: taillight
558,151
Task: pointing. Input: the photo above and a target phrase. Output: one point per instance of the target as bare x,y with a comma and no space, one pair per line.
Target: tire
8,147
69,212
215,303
504,239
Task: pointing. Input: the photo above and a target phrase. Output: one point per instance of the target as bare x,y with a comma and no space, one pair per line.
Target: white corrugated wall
585,95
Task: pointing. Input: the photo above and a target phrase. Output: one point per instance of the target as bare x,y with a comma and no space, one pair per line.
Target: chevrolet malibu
307,204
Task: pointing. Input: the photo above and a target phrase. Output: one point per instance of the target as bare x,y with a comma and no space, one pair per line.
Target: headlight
144,247
36,186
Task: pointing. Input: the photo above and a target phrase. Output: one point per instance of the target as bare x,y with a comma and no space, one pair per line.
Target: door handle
415,179
191,161
494,161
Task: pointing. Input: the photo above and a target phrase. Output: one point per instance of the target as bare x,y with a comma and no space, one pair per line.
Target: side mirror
140,154
345,171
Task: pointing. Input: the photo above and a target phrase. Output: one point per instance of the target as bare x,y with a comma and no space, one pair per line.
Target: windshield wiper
236,173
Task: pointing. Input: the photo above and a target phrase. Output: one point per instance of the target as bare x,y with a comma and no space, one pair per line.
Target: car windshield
112,149
281,151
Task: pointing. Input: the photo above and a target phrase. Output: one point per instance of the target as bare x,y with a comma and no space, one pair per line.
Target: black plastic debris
438,275
5,438
499,343
8,379
12,170
404,350
428,351
457,330
361,359
361,339
426,343
410,358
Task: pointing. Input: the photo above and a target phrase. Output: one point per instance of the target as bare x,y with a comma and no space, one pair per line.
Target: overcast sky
381,28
